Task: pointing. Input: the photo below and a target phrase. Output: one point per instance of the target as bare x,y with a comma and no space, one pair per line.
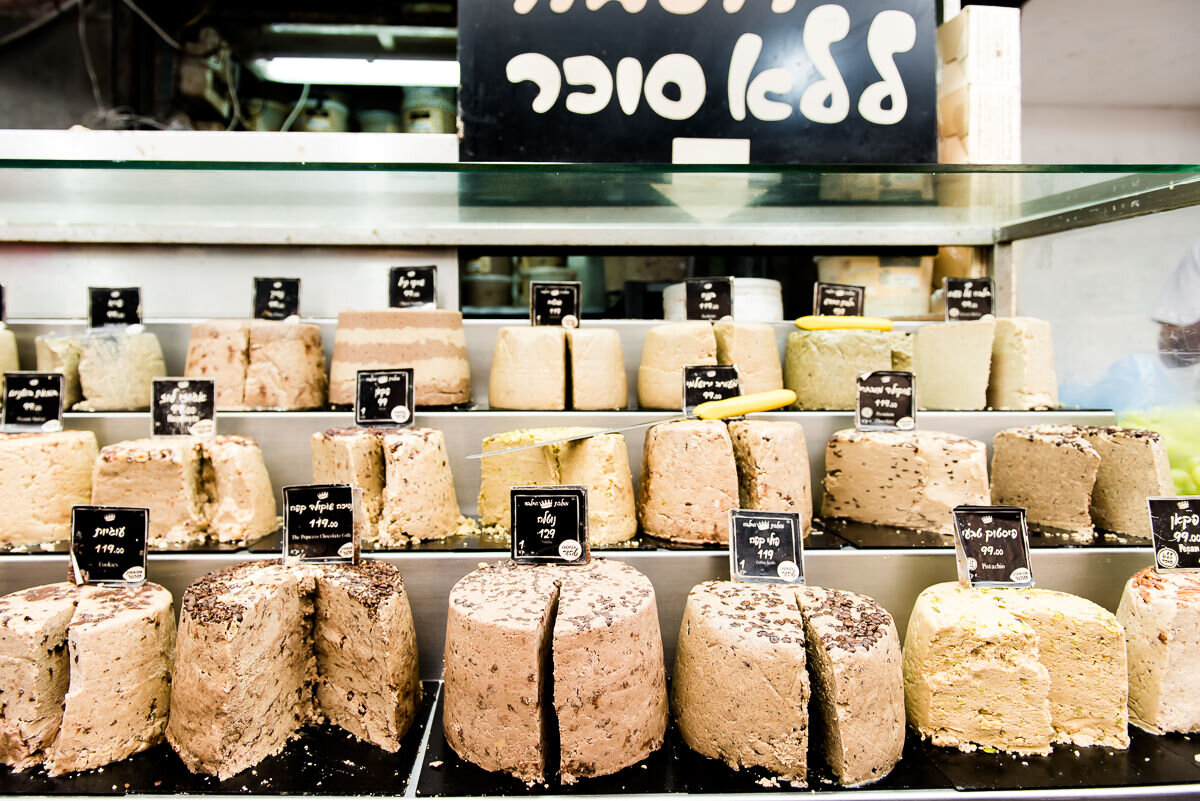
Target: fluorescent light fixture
394,31
357,71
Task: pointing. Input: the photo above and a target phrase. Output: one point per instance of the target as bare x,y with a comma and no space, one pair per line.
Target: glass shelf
389,203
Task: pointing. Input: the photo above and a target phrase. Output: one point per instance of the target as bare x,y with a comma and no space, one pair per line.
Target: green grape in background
1180,427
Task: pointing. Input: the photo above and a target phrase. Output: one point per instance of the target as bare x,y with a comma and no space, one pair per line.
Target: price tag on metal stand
321,522
969,298
181,407
838,300
33,402
114,307
1175,525
992,546
886,400
549,524
412,287
384,397
108,544
708,298
555,303
765,547
276,298
709,382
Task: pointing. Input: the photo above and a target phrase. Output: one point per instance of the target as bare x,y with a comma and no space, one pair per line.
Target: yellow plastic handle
745,404
829,322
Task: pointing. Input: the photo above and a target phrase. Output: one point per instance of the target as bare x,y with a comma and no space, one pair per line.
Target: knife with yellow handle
830,322
709,410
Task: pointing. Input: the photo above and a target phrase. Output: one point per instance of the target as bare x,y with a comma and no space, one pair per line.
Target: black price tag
108,544
708,298
709,382
992,546
555,303
969,298
384,398
765,547
412,286
320,522
838,300
114,306
1175,523
33,402
181,407
549,524
276,298
886,401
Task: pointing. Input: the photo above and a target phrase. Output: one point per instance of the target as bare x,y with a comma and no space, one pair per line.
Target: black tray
324,760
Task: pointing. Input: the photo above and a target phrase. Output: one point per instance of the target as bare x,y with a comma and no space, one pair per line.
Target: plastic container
755,300
429,109
487,290
321,115
379,121
264,115
897,286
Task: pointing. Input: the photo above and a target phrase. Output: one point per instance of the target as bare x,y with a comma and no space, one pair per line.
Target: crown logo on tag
110,517
546,504
987,518
322,496
1183,504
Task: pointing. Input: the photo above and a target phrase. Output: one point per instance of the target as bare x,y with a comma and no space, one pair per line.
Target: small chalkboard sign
708,298
555,303
108,544
838,300
549,524
181,407
276,298
1175,525
110,307
321,522
992,546
886,401
410,287
969,298
709,382
33,402
765,547
384,397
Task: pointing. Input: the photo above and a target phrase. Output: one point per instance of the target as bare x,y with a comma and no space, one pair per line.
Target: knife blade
709,410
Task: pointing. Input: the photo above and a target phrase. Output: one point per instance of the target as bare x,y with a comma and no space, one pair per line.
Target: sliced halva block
1133,467
529,368
1022,374
689,481
952,362
910,479
772,467
1050,471
753,350
1161,616
597,369
666,350
822,367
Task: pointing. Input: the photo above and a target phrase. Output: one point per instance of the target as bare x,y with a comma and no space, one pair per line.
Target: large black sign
412,287
319,523
838,300
709,382
969,298
549,524
276,298
992,545
708,298
114,306
181,407
809,81
33,401
886,401
384,397
1175,523
555,303
765,546
108,544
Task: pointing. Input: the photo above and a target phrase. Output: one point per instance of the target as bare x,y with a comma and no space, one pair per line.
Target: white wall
1109,135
